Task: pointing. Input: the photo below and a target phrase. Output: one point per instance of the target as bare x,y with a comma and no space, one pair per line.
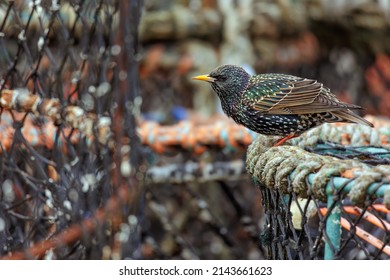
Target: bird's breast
230,109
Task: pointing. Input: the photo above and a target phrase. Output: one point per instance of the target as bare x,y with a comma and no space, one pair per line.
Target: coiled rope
290,168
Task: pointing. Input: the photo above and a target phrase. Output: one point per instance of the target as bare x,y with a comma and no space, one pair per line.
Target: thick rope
287,168
345,134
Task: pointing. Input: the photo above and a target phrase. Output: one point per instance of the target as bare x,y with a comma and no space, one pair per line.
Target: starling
277,104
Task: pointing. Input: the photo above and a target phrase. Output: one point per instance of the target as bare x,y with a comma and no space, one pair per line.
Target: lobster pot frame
322,199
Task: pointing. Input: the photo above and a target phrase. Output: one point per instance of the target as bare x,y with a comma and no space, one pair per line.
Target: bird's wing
285,94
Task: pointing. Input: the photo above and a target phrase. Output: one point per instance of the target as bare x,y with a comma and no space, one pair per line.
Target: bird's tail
347,115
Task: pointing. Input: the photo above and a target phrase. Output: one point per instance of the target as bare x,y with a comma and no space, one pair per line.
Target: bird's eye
222,78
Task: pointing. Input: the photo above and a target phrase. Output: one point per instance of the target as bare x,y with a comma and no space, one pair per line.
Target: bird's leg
284,139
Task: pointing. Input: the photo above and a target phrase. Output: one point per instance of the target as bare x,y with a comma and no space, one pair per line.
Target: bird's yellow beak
205,78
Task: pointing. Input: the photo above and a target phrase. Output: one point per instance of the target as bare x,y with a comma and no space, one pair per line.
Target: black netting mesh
327,201
61,195
288,237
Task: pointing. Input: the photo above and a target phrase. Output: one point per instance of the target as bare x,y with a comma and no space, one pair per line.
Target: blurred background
342,43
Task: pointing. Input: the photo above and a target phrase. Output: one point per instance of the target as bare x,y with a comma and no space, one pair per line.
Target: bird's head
227,81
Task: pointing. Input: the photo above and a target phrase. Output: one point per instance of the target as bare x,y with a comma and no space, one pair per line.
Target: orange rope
362,234
380,208
368,217
186,135
367,237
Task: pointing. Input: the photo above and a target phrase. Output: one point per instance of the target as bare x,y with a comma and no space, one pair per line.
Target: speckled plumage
277,104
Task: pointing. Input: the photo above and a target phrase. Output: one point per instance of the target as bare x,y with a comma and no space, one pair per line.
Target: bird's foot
281,141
